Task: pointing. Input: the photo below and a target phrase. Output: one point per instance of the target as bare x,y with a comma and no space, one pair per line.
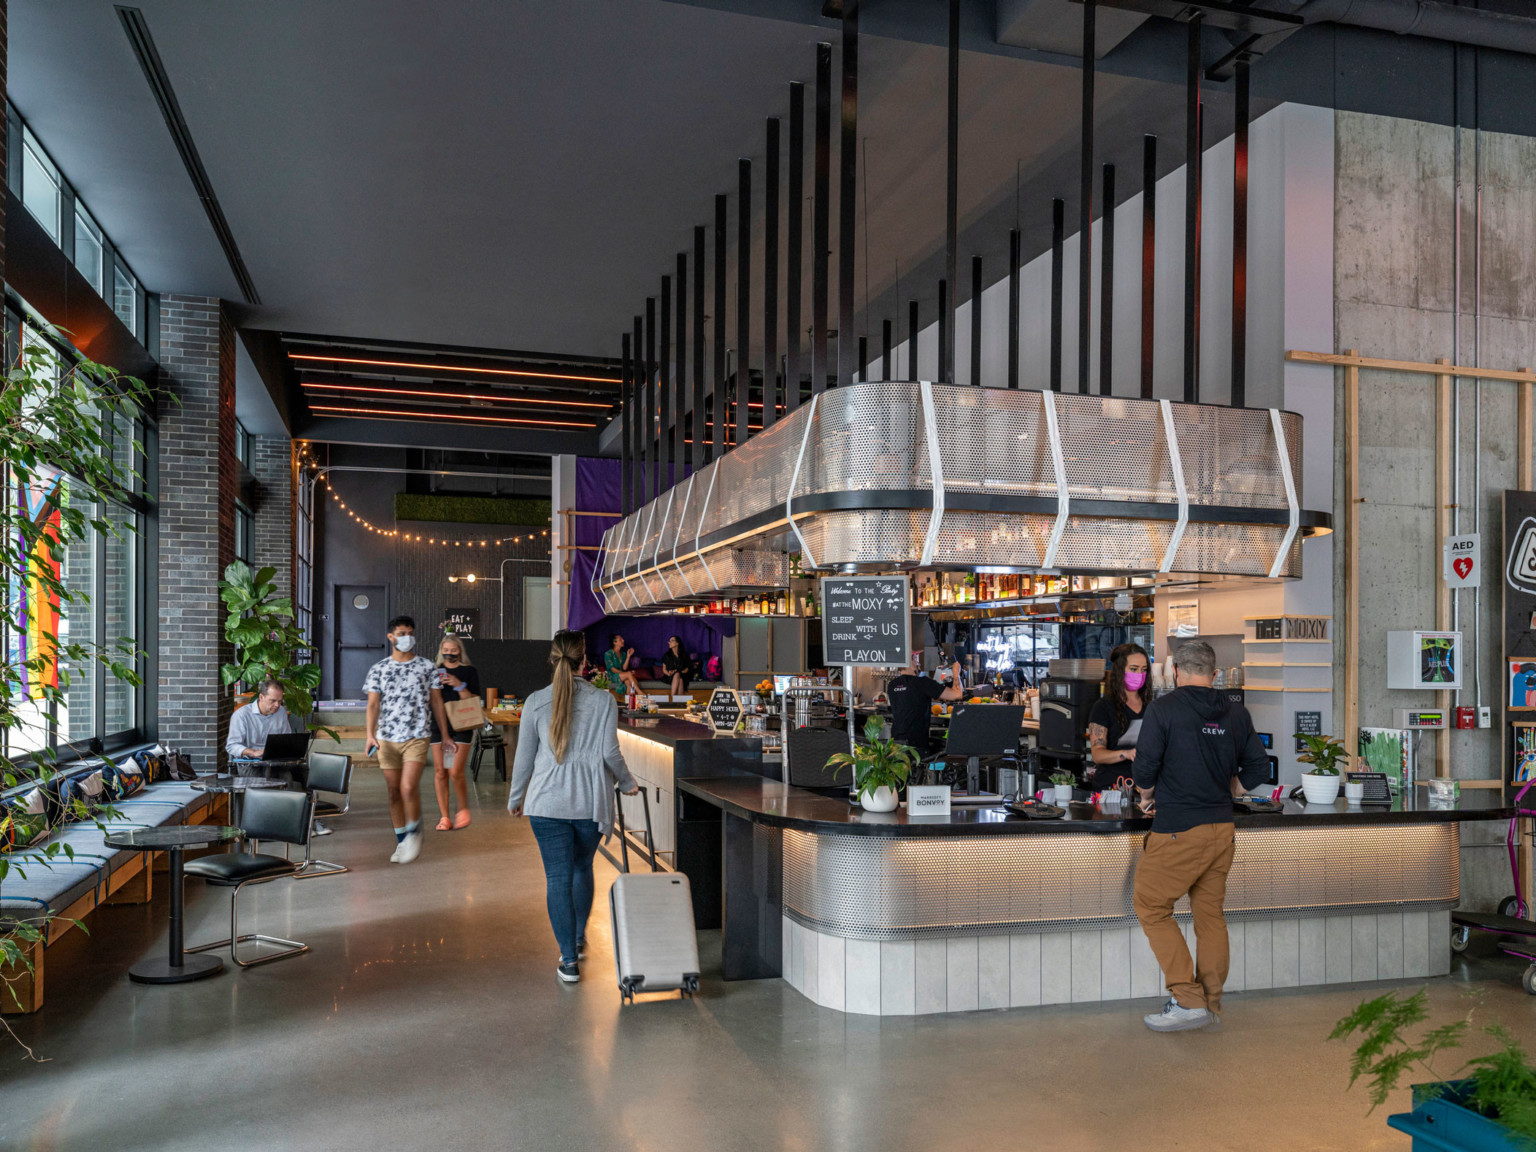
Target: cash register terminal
978,730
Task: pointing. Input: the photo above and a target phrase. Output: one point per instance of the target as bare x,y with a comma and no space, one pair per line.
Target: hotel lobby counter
878,913
784,806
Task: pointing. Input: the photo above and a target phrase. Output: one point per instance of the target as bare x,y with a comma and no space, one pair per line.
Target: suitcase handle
650,837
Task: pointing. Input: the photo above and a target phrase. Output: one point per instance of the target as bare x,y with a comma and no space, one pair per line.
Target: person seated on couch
678,665
616,662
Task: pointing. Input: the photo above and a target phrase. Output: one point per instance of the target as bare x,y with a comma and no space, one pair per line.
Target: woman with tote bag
567,763
460,686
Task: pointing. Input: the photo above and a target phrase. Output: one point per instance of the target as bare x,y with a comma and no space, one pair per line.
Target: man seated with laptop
262,739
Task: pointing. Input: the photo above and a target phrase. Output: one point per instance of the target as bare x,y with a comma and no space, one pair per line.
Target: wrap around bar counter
888,915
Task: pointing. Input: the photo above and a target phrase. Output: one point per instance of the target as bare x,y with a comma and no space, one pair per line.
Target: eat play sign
1463,567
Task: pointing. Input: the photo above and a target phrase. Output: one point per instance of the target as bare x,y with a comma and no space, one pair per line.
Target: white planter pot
1320,789
1354,792
1062,793
880,800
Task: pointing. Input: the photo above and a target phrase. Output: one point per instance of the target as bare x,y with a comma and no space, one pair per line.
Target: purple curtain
598,490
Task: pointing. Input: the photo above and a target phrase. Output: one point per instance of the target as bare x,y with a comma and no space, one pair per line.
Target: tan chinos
1196,862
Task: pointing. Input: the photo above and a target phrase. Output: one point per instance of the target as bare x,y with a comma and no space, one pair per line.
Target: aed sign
927,800
1462,568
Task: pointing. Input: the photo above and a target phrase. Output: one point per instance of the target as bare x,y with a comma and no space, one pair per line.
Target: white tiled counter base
967,973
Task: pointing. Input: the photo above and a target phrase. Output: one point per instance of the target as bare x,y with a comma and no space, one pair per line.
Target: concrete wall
1396,297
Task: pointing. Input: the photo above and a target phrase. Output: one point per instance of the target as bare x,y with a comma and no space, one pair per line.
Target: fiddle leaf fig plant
1323,753
876,763
267,642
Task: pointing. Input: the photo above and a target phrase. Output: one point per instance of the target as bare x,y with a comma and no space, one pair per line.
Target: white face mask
405,643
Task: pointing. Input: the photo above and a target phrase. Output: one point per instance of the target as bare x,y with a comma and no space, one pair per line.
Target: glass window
77,570
40,186
120,610
88,248
125,297
245,533
243,446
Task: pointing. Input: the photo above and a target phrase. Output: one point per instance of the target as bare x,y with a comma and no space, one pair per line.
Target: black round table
178,967
236,787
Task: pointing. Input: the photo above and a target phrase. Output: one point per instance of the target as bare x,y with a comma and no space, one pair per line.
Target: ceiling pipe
1433,19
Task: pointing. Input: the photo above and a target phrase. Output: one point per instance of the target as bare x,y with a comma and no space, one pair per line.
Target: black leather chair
488,738
329,772
269,814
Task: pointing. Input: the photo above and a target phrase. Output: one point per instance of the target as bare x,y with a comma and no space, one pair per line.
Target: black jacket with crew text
1193,741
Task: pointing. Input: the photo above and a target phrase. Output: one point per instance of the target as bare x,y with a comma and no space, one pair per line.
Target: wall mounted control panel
1433,718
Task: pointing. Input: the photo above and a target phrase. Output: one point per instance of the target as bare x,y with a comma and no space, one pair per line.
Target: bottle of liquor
782,607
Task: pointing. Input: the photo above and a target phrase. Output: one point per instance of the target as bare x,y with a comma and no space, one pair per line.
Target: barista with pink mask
1114,722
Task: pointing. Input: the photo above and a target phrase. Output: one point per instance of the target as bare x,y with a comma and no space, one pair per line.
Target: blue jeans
567,847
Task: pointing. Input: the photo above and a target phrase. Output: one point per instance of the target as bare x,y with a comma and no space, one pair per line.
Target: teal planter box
1440,1124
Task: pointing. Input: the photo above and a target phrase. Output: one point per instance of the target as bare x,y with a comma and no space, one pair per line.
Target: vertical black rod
700,428
771,277
863,364
1085,206
1107,284
885,350
847,196
1148,260
664,389
626,461
912,322
720,407
637,455
821,223
1240,244
743,297
1192,217
1015,255
975,380
946,331
680,396
951,204
1058,237
652,435
653,429
796,243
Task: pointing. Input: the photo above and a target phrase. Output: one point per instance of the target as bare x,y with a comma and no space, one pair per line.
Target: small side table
178,967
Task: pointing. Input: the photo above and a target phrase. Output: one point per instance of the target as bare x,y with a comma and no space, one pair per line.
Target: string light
415,538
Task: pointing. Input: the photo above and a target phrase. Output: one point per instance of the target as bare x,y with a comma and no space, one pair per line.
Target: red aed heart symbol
1462,565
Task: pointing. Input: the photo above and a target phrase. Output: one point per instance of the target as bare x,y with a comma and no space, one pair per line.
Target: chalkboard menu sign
865,621
1307,724
724,709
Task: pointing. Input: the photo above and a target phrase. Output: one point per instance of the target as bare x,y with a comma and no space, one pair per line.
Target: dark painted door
362,613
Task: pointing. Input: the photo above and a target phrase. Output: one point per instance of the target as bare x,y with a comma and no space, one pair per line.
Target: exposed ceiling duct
1430,18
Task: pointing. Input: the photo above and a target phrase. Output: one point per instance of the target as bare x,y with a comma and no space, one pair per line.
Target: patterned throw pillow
125,779
84,794
24,820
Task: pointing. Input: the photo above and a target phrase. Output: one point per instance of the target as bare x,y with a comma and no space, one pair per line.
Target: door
362,617
536,609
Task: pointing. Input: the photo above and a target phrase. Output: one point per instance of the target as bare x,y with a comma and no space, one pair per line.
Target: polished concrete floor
428,1016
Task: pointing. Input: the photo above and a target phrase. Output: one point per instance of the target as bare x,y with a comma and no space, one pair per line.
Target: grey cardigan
581,787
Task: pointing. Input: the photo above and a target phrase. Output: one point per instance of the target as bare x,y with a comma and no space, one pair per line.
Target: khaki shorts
395,755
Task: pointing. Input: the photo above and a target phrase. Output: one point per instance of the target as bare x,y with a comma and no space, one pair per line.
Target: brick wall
199,483
272,465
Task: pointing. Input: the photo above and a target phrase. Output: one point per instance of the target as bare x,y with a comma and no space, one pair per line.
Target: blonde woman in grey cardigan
567,763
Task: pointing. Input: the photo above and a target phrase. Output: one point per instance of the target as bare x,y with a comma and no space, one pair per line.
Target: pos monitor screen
984,729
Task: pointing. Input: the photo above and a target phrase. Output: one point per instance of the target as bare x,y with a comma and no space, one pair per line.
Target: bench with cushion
67,887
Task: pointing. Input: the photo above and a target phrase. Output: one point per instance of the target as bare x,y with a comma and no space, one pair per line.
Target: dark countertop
672,731
779,805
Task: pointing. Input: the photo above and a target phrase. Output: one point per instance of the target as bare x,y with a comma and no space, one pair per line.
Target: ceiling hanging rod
771,276
793,311
847,194
946,371
1085,205
821,218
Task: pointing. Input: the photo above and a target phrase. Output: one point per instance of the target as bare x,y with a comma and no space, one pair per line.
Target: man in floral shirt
401,689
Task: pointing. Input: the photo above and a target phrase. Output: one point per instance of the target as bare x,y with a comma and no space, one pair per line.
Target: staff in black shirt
1114,721
911,697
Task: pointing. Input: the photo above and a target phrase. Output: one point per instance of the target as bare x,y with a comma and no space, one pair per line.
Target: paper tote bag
465,713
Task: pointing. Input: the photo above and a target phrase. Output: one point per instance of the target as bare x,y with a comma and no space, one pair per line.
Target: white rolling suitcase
654,946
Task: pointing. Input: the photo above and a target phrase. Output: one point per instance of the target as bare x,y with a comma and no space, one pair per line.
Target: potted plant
1492,1110
268,644
1061,785
1321,784
880,767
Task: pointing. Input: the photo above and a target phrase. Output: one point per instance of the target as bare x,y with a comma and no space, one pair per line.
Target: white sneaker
394,857
410,848
1174,1018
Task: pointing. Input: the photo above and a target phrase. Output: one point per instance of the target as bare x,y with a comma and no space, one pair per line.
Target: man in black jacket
1196,751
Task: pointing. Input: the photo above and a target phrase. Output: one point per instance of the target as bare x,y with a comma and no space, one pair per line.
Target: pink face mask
1135,680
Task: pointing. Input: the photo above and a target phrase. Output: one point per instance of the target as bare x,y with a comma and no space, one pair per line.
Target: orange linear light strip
449,368
377,412
449,397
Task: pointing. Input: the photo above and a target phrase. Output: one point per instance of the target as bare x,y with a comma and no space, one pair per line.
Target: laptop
286,746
